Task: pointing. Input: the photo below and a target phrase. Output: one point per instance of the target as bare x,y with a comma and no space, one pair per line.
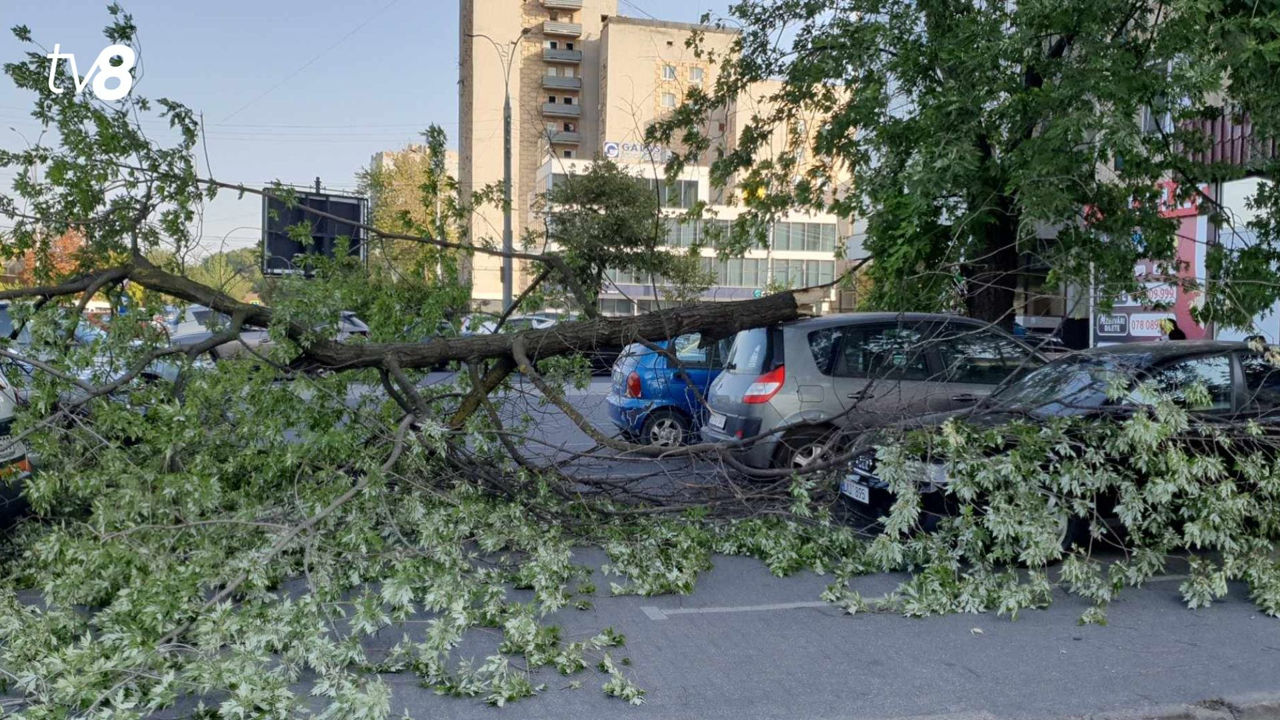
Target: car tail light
634,388
765,386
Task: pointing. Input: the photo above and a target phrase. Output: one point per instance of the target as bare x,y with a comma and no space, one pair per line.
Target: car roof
817,323
1148,352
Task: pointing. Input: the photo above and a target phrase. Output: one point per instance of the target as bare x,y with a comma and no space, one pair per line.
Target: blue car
658,401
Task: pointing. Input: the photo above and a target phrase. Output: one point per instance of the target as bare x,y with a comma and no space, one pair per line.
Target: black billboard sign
343,215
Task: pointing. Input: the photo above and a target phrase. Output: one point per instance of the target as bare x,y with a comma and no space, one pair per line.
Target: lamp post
506,53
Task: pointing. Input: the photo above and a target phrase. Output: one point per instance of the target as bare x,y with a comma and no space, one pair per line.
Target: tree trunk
992,277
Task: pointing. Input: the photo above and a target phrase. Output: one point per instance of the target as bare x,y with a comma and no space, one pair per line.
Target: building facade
586,83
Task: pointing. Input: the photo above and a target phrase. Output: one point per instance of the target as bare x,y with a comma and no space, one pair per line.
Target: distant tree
414,194
608,219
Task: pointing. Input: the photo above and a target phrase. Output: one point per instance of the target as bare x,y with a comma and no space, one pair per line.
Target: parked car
14,464
1240,382
486,325
660,401
794,386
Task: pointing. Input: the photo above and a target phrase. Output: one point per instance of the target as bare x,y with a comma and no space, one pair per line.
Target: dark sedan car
1239,382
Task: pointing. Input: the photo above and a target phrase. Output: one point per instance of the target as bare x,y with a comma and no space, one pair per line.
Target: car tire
1073,533
665,428
803,447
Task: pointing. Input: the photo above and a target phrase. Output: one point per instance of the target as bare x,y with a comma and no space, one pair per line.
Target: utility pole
506,53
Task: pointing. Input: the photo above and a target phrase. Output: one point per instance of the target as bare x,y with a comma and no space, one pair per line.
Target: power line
308,63
639,9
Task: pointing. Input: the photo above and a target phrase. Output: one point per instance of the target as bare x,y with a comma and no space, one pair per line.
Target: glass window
812,237
747,354
751,275
1262,382
828,238
1184,382
668,72
687,350
695,75
882,352
668,100
981,357
823,344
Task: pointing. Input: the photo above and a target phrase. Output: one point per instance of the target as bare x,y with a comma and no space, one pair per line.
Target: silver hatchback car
793,387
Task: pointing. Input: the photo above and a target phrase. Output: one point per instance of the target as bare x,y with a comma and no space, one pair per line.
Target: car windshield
1067,387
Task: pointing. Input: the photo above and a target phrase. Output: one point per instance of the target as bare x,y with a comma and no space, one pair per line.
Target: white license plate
856,490
716,421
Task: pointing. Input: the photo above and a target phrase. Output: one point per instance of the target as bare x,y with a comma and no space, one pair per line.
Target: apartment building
585,82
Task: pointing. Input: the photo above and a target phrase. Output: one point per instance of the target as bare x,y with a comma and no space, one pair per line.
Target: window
568,100
750,352
668,72
822,344
553,71
568,46
881,352
1183,381
614,306
1262,382
552,45
668,100
551,99
977,356
552,127
568,153
569,72
681,193
695,75
687,350
570,127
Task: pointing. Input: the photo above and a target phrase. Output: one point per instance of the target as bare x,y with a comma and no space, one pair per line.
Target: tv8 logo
102,72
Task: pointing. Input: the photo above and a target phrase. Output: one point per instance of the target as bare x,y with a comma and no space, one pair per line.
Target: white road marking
655,613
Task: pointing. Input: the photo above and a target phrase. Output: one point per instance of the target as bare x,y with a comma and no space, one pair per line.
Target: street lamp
506,53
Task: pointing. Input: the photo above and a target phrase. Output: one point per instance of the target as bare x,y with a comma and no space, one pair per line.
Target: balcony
554,82
560,110
562,137
563,29
562,4
561,56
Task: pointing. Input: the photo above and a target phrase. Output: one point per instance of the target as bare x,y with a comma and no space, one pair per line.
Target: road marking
655,613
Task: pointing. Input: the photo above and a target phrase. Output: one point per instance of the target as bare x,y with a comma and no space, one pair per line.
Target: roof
666,24
877,317
1158,351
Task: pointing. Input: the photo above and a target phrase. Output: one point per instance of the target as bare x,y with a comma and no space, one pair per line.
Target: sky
289,90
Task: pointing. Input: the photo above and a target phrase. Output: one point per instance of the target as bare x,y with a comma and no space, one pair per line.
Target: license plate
716,420
856,490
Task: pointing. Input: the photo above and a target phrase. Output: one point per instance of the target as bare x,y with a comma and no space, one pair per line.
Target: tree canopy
969,129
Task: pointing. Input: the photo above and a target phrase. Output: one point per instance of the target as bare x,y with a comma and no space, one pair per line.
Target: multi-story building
584,83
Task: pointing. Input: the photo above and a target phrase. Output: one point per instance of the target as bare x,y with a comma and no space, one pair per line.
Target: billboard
336,216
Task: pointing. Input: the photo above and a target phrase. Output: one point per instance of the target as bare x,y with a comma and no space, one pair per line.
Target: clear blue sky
379,72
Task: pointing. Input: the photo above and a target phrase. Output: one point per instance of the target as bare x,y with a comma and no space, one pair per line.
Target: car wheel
803,448
1073,532
665,428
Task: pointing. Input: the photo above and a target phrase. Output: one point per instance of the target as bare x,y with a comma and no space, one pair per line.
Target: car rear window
750,352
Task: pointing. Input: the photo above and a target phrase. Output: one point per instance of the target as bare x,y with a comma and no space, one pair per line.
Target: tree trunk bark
991,279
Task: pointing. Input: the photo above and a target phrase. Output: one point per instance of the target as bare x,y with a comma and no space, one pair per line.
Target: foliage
961,131
229,544
607,219
411,193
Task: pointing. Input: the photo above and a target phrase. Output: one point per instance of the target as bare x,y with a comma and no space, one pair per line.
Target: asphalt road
748,645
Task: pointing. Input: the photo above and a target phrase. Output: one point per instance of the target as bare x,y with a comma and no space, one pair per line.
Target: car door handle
965,398
860,395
